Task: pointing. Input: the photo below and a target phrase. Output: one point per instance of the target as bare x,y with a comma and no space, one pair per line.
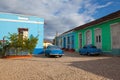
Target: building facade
47,43
22,24
103,33
66,40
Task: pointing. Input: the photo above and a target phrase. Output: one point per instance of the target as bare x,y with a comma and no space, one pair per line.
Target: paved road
71,66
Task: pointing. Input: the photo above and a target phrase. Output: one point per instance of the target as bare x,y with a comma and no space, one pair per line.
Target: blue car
90,50
52,50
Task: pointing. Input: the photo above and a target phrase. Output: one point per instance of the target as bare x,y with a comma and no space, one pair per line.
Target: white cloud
102,6
91,8
60,15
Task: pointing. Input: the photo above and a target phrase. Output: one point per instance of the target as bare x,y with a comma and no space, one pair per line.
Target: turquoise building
66,40
24,24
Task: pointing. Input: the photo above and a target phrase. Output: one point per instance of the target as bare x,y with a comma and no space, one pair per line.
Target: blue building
66,40
27,25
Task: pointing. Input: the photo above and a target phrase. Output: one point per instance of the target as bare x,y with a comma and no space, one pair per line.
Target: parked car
53,50
90,50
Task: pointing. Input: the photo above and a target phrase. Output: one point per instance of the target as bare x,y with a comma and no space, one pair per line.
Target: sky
61,15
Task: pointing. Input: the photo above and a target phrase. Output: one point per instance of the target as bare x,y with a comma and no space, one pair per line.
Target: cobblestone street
71,66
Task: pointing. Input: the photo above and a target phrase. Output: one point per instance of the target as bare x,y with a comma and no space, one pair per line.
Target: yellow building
46,43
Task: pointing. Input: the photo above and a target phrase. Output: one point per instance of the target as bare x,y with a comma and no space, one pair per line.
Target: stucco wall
9,23
106,35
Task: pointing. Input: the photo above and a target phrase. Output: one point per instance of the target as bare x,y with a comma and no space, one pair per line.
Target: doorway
80,40
115,35
98,40
88,37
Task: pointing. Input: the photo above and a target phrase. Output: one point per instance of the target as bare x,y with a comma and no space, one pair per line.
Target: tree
0,44
0,47
13,39
22,44
30,43
3,46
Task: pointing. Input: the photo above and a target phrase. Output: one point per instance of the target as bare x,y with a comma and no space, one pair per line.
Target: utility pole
56,37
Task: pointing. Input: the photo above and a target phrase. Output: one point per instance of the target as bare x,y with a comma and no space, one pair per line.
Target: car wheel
56,56
60,56
48,55
81,54
88,53
45,54
97,54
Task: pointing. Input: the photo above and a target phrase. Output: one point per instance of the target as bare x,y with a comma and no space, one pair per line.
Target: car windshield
89,46
93,46
84,47
53,47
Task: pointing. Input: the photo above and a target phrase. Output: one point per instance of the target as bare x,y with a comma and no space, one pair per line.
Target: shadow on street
109,68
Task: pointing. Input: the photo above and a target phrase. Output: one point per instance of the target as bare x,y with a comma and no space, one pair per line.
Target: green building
103,33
